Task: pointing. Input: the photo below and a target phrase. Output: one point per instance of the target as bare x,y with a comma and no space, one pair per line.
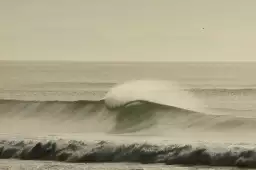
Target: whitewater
165,115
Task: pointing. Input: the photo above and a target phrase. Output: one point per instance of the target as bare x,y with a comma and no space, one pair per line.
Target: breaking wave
103,151
129,107
136,108
159,92
151,107
82,116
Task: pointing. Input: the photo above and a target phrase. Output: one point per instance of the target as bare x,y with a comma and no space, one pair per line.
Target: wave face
136,108
102,151
82,116
146,107
82,113
133,117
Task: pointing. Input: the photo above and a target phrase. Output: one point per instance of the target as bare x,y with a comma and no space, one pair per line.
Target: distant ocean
61,115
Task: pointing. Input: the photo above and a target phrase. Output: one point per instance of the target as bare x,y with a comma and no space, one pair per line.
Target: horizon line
129,61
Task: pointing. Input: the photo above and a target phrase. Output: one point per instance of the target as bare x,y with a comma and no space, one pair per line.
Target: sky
128,30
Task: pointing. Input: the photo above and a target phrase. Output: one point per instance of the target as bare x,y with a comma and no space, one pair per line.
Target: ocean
162,115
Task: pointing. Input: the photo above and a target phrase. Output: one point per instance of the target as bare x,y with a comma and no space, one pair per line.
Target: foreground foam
103,151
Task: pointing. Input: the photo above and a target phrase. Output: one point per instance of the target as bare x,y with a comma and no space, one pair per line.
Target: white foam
158,91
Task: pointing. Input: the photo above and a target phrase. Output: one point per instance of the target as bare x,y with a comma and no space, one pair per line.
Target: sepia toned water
64,115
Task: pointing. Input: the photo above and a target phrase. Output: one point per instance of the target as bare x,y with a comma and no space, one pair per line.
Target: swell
135,116
78,102
223,90
82,114
103,151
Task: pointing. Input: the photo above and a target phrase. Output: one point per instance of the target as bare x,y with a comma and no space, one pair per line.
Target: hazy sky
118,30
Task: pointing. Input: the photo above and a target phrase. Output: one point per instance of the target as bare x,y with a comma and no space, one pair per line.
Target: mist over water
142,106
155,91
82,117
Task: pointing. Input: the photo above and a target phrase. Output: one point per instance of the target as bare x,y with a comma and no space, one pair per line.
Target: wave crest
155,91
103,151
153,107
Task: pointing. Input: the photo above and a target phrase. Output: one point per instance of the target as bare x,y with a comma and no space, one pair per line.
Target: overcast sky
121,30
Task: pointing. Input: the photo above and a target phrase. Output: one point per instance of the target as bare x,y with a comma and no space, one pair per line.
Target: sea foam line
103,151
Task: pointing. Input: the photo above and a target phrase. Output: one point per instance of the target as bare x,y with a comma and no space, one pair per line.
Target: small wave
103,151
223,90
